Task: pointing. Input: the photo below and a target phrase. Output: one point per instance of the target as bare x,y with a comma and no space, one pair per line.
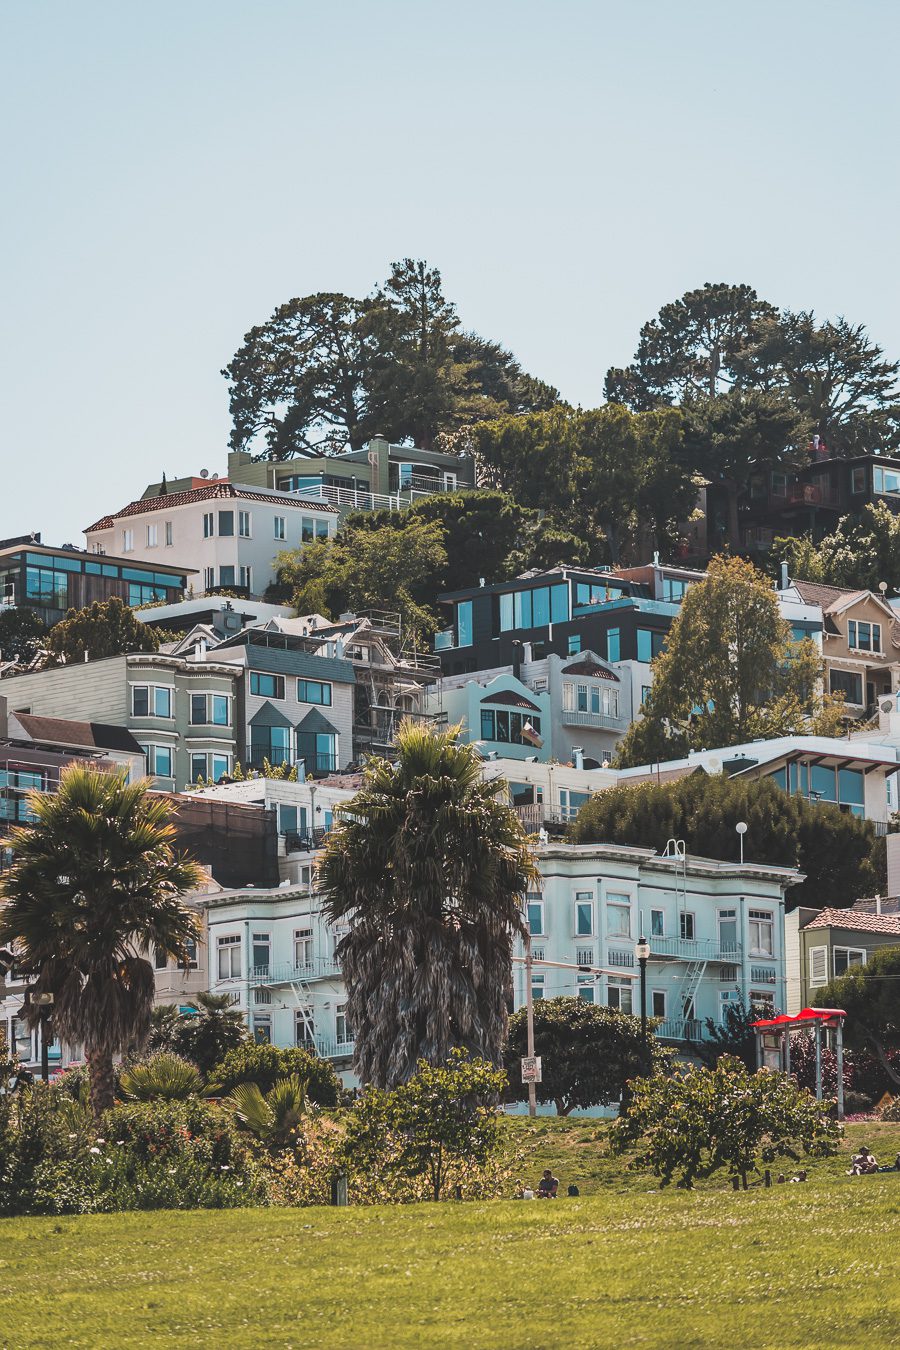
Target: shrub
265,1064
32,1129
163,1076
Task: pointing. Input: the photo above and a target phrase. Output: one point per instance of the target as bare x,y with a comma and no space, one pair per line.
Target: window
537,987
614,644
262,950
674,589
198,767
886,480
618,993
508,727
581,697
271,743
762,932
210,710
41,583
287,819
728,931
762,1003
757,486
864,637
573,643
464,623
128,541
208,525
314,691
858,479
190,953
818,966
244,524
686,927
657,1003
160,760
170,536
847,683
279,527
845,957
304,1028
262,1030
779,484
657,923
244,578
303,948
586,988
649,643
584,913
228,957
209,578
342,1029
152,536
645,693
226,576
618,915
540,607
535,910
321,529
210,767
318,750
266,686
226,523
307,531
152,700
584,956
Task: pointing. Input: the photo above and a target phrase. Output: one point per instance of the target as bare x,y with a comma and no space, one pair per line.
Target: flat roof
111,558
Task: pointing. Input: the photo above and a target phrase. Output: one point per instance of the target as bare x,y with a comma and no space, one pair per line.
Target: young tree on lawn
94,883
589,1053
427,864
692,1125
870,996
105,628
729,672
441,1124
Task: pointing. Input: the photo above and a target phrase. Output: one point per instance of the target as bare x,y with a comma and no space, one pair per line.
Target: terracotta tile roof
212,492
856,919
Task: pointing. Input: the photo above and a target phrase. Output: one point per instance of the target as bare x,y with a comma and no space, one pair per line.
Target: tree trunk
561,1108
884,1061
102,1080
734,533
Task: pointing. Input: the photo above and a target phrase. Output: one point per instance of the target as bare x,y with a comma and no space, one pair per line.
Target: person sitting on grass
547,1186
862,1163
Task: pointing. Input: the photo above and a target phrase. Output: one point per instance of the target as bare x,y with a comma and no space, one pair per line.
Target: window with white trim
587,988
262,952
244,524
686,926
863,637
152,536
170,536
584,913
537,987
128,541
279,527
305,1027
228,956
845,957
303,948
657,1002
761,929
534,909
262,1030
151,700
818,966
619,993
160,760
657,923
209,578
343,1032
618,915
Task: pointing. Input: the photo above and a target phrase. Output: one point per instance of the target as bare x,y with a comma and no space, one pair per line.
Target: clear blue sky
175,169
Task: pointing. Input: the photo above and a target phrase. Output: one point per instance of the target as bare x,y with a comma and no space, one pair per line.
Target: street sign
531,1068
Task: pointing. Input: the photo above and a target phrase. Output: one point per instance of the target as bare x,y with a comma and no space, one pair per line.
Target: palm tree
274,1117
210,1030
95,880
427,865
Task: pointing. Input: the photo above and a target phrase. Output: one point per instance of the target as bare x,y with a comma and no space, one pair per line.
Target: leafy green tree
498,383
837,853
94,882
23,634
427,865
870,996
207,1033
834,375
163,1076
274,1116
588,1053
363,568
729,673
690,1126
862,552
693,348
733,1036
105,628
264,1065
441,1124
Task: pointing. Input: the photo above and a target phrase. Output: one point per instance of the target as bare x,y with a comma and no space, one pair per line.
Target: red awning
803,1018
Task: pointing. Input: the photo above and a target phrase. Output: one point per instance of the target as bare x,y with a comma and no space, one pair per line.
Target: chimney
785,579
878,905
200,650
578,756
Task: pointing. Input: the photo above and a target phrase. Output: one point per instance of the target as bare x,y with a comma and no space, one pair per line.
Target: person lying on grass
862,1163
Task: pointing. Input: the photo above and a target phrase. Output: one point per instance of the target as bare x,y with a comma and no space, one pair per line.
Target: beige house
860,644
823,944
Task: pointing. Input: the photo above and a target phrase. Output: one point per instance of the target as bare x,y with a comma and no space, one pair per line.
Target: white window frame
618,902
209,524
151,701
231,943
245,576
128,541
340,1015
814,955
537,986
245,524
209,578
568,696
535,899
587,900
856,951
305,1026
586,988
170,534
303,939
624,993
152,536
762,919
279,526
662,926
687,914
150,750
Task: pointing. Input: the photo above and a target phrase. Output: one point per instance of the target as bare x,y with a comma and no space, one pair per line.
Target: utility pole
529,1014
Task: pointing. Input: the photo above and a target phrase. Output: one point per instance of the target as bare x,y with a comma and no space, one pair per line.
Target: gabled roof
813,593
510,698
592,668
862,922
217,491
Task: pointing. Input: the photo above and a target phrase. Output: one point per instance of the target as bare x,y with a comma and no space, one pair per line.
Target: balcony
329,1049
602,721
306,842
694,949
680,1029
286,972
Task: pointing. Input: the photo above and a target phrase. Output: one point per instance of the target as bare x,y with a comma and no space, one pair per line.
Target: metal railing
680,1029
591,719
361,499
304,841
695,949
288,972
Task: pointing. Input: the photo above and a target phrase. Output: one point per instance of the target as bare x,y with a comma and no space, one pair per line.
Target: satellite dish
887,705
204,473
214,477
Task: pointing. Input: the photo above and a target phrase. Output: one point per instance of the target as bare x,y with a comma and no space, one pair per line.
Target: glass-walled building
52,581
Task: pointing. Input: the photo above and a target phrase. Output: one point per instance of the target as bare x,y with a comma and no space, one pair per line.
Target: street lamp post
741,828
529,1016
642,952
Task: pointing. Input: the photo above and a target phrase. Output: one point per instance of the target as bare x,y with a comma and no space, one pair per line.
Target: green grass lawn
624,1264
